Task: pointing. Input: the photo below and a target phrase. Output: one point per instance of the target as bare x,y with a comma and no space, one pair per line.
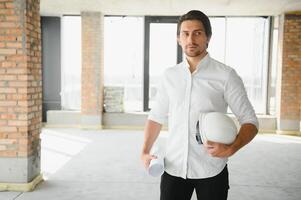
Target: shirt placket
186,114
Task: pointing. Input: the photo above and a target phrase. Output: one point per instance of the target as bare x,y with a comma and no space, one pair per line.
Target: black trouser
213,188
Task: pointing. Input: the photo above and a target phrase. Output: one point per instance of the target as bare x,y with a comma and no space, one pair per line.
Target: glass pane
162,53
71,63
246,51
217,44
123,62
273,72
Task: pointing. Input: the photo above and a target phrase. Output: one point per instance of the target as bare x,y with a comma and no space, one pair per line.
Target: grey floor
104,165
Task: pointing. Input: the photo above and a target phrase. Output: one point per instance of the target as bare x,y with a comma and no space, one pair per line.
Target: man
199,84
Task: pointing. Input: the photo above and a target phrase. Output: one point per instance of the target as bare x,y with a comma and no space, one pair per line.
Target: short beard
193,54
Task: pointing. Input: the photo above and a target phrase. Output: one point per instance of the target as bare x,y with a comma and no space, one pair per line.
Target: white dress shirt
181,97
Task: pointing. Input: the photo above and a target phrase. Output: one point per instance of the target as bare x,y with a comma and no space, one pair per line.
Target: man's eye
198,33
185,34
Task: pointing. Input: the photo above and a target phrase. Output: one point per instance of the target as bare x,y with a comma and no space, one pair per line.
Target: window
138,49
163,37
161,52
273,70
123,64
242,43
71,63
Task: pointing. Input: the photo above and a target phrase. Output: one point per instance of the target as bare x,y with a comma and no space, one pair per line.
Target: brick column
290,73
20,93
92,69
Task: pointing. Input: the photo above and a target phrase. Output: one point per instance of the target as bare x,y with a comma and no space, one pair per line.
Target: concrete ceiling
170,7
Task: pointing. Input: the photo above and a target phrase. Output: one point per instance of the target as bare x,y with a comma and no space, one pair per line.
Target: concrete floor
105,165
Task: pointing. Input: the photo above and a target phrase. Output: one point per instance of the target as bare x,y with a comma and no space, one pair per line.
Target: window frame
174,19
147,21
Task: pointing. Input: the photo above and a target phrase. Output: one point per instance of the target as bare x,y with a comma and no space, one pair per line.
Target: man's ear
178,40
208,40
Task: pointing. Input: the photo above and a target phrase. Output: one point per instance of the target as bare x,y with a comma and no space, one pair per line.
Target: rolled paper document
156,167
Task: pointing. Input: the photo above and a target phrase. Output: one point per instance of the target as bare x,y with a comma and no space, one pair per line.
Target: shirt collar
202,64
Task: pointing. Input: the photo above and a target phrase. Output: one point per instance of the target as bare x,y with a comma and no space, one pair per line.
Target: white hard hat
216,127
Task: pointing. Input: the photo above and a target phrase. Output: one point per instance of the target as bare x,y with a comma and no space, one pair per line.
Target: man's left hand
218,149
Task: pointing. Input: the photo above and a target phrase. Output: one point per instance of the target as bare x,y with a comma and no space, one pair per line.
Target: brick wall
92,67
290,103
20,78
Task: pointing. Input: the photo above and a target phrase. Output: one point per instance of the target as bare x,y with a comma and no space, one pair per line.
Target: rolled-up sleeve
159,111
237,99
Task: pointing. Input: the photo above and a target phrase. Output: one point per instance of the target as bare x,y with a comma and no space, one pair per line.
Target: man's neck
194,61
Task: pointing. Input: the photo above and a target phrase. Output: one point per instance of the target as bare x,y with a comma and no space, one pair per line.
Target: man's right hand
146,158
151,132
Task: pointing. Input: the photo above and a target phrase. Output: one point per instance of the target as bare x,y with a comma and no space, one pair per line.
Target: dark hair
196,15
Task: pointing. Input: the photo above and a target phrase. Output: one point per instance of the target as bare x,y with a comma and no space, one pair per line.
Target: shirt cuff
156,118
254,122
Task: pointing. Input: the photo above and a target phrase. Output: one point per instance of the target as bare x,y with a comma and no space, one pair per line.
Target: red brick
2,96
6,12
7,51
8,25
9,64
12,18
7,141
8,153
2,123
18,135
14,45
17,84
9,5
8,129
8,103
8,90
3,109
7,77
17,123
23,77
23,117
8,116
2,147
17,71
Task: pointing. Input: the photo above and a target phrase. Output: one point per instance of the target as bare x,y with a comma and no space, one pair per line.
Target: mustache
192,45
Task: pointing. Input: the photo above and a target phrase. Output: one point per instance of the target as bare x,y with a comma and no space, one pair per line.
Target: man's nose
190,38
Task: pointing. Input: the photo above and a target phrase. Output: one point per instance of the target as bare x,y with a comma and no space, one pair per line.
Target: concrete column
289,107
92,69
20,94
